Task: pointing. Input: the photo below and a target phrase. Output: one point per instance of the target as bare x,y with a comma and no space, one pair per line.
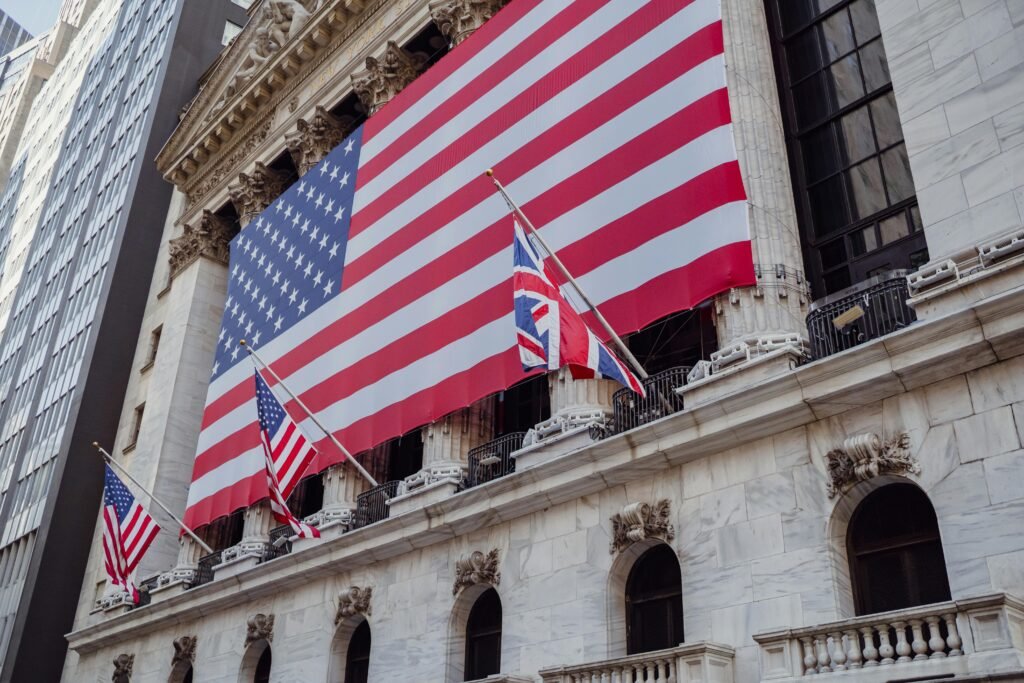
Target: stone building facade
840,493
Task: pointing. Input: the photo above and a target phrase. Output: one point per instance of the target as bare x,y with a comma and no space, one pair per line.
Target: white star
298,260
277,276
319,200
259,222
309,269
344,179
285,287
248,285
241,319
263,259
229,343
323,241
234,353
329,207
266,271
317,278
313,235
337,216
302,307
234,310
325,167
328,287
334,172
294,295
216,366
334,249
305,226
263,302
277,324
256,338
234,272
309,193
248,328
282,244
221,337
291,253
255,292
270,312
288,211
278,205
302,187
295,219
348,147
273,237
255,253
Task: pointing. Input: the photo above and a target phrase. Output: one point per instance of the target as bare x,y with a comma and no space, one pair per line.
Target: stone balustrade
705,662
937,637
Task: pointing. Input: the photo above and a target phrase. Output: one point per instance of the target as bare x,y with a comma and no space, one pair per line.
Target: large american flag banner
378,285
128,531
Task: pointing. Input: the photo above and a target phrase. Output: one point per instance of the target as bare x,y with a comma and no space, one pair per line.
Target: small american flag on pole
128,530
288,454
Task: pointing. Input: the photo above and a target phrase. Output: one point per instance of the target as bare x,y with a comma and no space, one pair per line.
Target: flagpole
565,273
298,401
110,461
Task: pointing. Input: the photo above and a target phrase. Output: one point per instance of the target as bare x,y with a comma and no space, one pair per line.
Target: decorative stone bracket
259,627
210,239
866,456
255,191
476,568
385,76
354,601
123,668
457,19
640,521
184,650
315,138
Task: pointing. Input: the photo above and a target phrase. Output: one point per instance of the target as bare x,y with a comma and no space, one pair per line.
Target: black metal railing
280,543
372,506
204,568
493,459
868,310
630,409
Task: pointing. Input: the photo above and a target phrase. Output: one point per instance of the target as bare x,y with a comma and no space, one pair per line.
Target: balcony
868,310
493,459
630,410
975,635
372,505
705,662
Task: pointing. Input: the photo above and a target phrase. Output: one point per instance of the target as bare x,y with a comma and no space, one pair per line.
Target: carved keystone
865,456
354,601
640,521
184,650
476,568
123,668
259,627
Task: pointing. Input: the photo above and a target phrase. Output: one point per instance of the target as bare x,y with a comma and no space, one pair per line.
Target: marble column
385,76
576,402
756,320
257,523
257,190
447,442
315,138
457,19
342,486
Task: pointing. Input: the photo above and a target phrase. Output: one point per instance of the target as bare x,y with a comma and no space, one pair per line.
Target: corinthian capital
385,76
457,19
209,239
255,191
315,138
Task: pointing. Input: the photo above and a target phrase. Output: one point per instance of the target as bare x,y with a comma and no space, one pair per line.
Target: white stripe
689,161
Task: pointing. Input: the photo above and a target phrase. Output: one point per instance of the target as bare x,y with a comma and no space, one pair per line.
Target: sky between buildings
34,15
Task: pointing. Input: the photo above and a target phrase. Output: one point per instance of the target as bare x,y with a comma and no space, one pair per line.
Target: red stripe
128,529
532,347
452,62
275,452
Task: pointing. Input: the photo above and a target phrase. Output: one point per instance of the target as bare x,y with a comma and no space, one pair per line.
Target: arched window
483,637
654,602
895,552
357,661
263,667
181,673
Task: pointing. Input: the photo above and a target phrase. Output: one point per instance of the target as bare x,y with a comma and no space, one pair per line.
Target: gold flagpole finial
490,173
241,342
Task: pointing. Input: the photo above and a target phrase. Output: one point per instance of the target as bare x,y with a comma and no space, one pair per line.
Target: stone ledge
926,352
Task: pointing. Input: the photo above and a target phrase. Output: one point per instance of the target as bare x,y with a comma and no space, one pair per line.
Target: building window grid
856,197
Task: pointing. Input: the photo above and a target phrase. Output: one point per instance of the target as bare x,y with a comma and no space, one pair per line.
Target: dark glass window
854,192
483,637
677,340
357,661
226,531
895,552
654,602
308,497
263,667
521,406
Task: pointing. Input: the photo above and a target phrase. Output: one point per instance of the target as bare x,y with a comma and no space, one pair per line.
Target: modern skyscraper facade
81,220
826,476
11,34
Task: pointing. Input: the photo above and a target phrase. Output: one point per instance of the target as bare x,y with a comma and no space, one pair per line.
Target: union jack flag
549,331
287,452
128,531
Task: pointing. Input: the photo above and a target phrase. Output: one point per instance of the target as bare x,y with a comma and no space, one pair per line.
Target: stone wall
758,539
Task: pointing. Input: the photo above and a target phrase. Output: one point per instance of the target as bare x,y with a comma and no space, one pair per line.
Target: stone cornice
927,352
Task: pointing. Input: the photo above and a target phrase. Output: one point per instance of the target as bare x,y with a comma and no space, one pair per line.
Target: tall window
262,674
654,602
895,552
854,193
483,637
357,662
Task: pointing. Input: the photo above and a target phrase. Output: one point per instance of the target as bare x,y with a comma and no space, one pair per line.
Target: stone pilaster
208,239
315,138
457,19
447,442
770,315
385,77
258,521
576,402
257,190
342,485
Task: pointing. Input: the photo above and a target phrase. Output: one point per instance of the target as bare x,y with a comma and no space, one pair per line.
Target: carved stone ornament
210,239
476,568
123,668
255,191
354,601
385,76
314,139
259,627
640,521
866,456
457,19
184,650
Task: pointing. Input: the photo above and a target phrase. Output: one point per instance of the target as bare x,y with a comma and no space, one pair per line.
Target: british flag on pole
378,285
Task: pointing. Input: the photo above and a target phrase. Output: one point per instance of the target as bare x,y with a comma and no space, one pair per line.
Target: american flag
128,531
551,333
287,453
378,285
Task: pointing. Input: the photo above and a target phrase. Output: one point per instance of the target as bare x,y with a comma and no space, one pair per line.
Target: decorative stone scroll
385,76
640,521
184,650
866,456
255,191
259,627
123,668
210,239
476,568
315,138
354,601
457,19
